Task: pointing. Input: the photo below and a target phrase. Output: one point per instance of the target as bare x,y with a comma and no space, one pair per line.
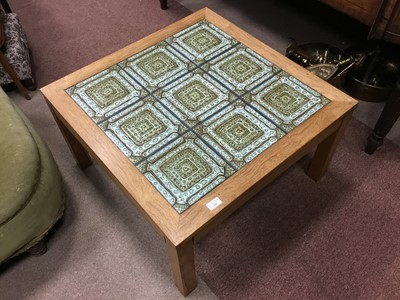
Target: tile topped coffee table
192,121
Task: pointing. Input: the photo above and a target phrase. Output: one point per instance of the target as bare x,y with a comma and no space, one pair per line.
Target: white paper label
214,203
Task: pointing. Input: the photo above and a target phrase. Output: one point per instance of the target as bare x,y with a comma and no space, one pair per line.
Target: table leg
182,265
82,157
389,116
325,150
163,4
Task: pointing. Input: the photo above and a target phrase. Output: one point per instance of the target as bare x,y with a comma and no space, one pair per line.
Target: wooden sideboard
382,16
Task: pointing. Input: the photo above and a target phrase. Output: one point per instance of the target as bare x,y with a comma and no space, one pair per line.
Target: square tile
100,95
201,41
240,69
194,97
286,101
185,171
142,129
156,66
239,133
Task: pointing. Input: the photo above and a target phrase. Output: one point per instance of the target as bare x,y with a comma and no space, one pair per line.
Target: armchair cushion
31,194
20,162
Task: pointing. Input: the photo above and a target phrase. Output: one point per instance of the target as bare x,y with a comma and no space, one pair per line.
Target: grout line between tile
265,116
157,150
214,150
256,109
206,61
264,81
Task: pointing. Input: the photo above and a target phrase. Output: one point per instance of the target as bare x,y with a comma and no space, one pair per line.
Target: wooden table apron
86,141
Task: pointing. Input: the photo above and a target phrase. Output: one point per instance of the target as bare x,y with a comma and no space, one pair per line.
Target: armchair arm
2,35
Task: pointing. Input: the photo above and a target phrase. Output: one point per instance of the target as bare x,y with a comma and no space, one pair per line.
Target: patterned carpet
67,35
297,239
336,239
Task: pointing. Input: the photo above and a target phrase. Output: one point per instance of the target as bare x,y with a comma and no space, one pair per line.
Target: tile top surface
194,109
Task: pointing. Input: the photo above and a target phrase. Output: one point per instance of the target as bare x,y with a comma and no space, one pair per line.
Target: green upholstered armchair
31,197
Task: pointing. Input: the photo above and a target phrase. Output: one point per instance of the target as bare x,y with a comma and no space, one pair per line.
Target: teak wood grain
179,231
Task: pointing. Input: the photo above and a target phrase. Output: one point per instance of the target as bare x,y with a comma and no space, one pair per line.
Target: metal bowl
374,75
363,91
322,59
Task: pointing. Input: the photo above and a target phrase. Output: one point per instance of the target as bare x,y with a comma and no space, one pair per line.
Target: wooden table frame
180,231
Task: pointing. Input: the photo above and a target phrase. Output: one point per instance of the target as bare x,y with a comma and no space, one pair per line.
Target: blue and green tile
185,170
201,41
286,101
194,97
104,93
156,66
142,129
239,133
240,69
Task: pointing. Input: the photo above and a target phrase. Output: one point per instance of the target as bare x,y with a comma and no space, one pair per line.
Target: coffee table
194,120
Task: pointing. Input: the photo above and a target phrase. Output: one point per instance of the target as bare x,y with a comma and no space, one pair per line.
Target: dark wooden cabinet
362,10
392,31
382,16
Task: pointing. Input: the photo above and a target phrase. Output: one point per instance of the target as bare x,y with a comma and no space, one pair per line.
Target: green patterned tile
156,66
201,41
195,97
142,129
185,171
240,69
239,133
100,95
286,101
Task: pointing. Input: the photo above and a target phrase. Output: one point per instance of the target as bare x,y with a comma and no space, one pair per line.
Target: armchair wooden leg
39,249
163,4
10,71
29,84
